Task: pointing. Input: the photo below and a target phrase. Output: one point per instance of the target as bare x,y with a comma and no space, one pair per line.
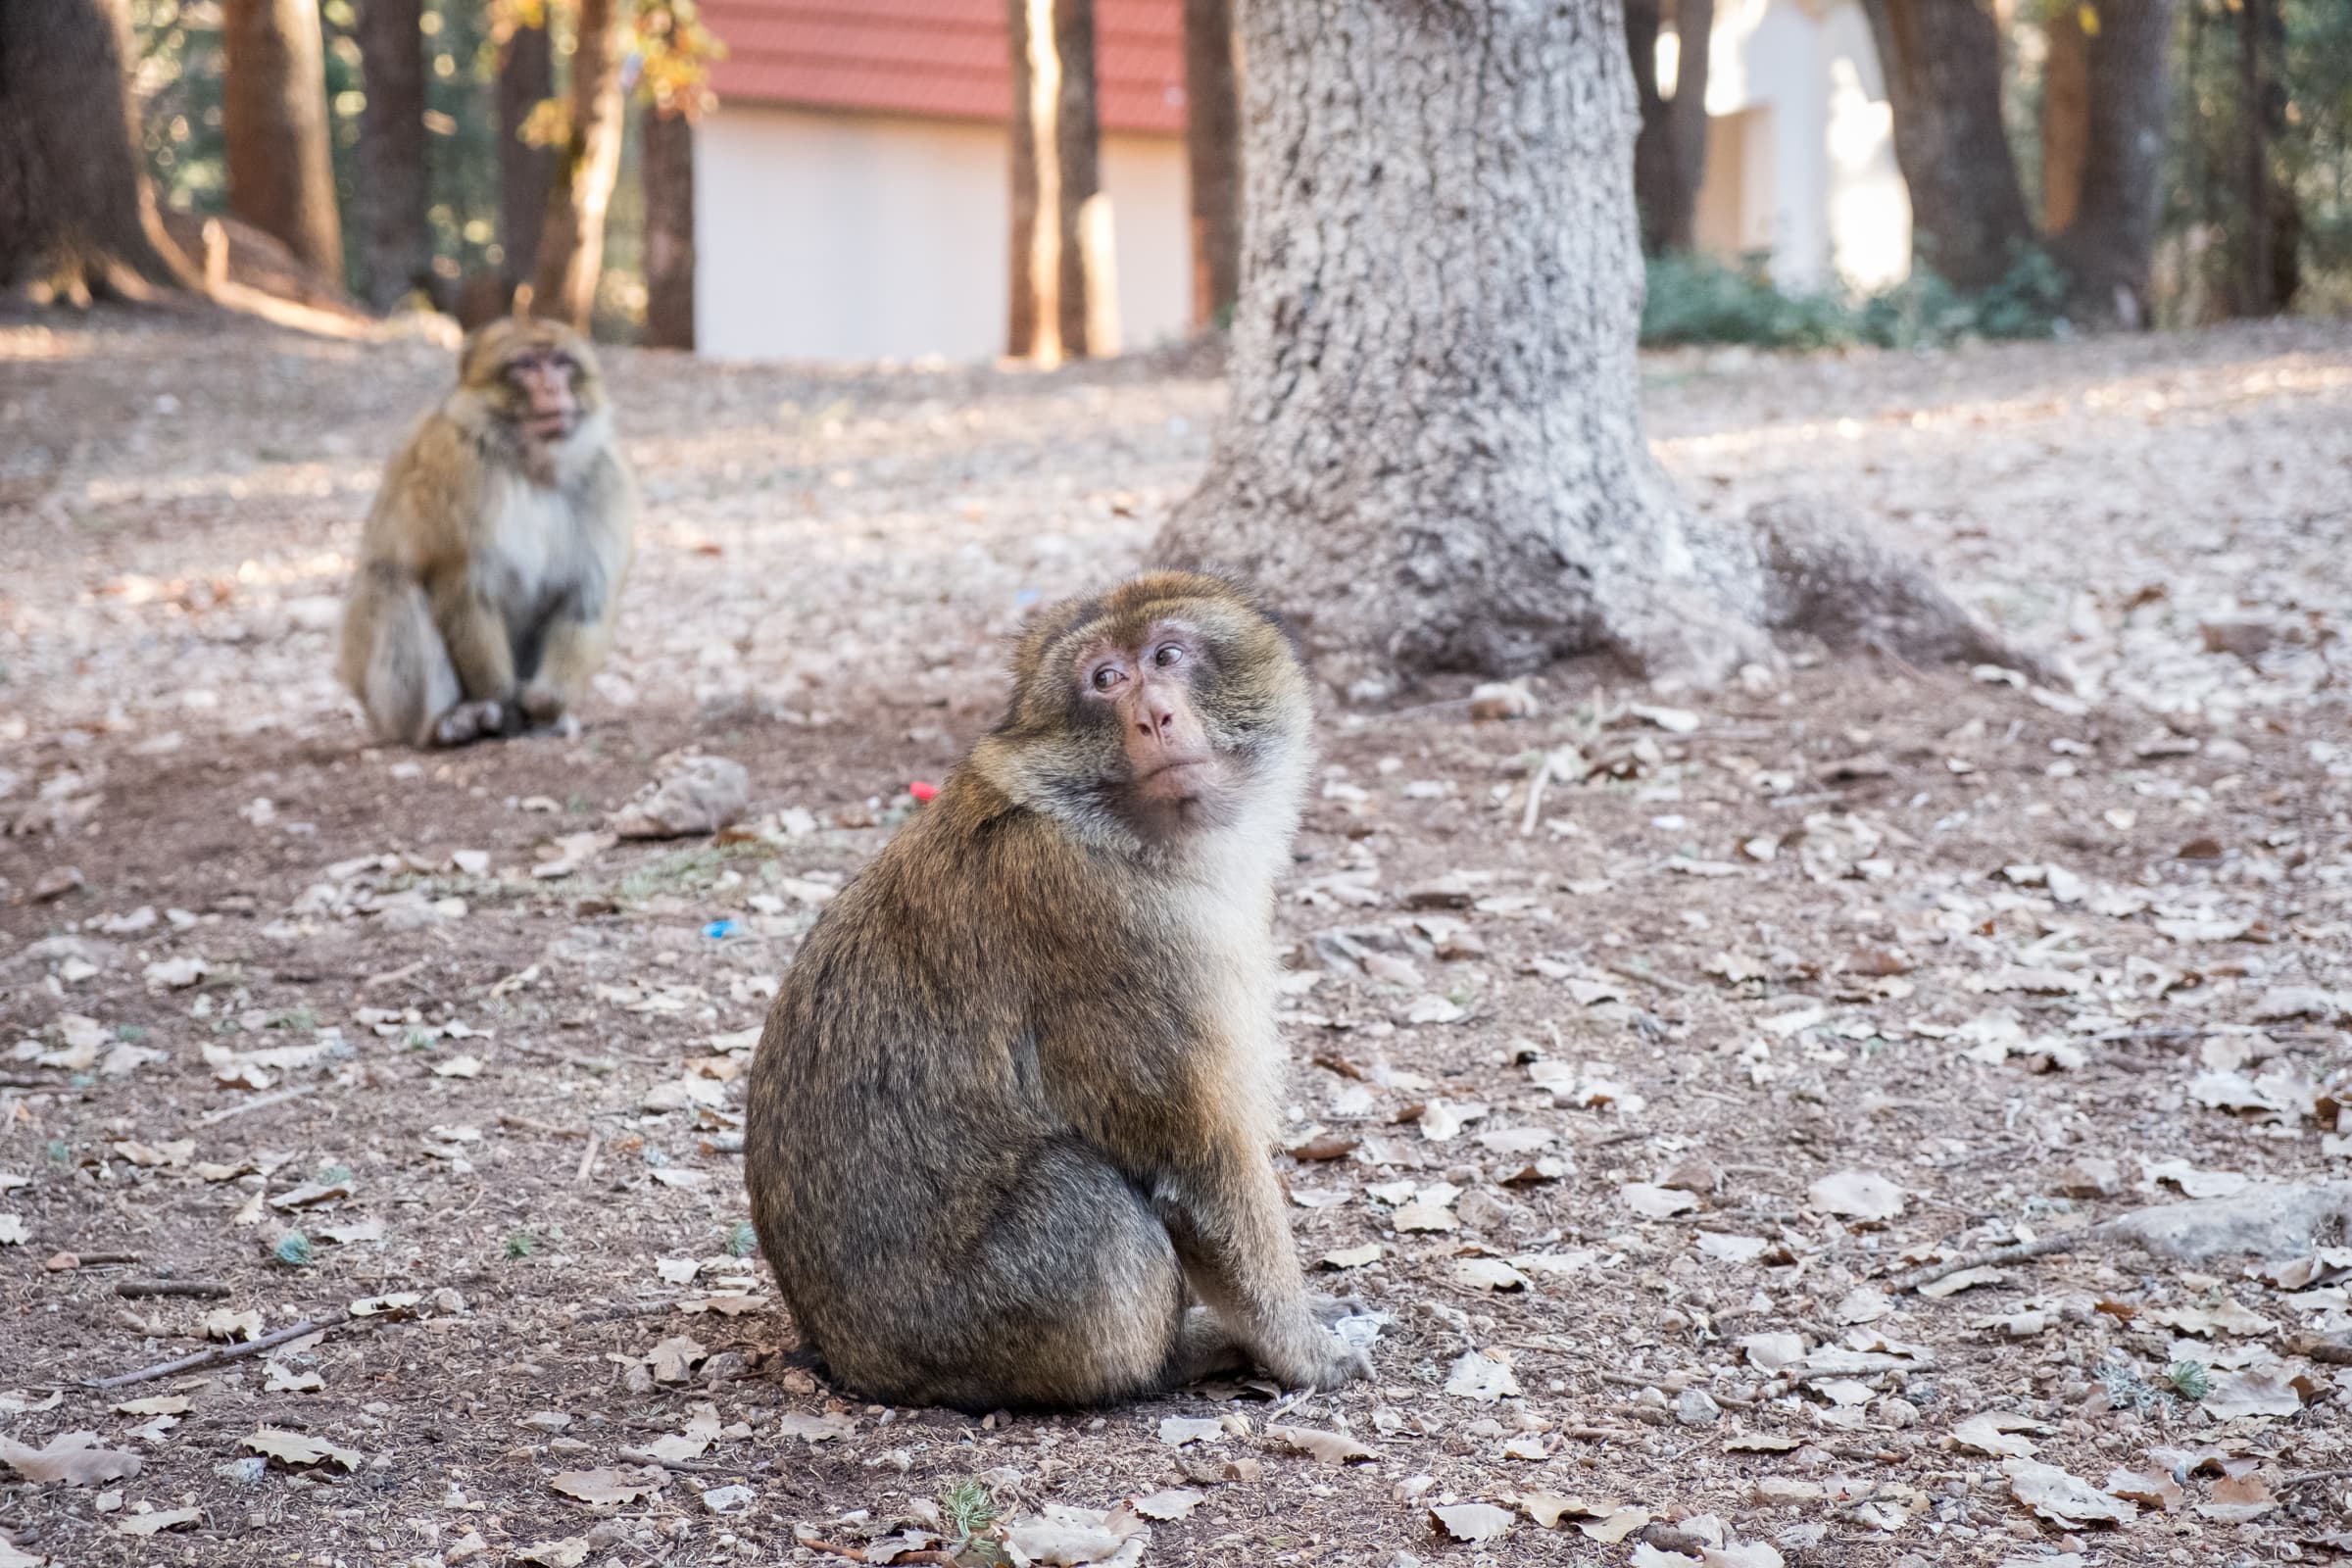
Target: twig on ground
391,977
524,1124
199,1289
96,1259
1534,796
2017,1253
223,1353
212,1117
587,1159
857,1553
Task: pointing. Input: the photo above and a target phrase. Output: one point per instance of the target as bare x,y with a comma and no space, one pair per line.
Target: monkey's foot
468,723
1328,1309
542,705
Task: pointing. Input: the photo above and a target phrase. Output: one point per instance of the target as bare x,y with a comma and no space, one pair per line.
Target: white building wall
1797,83
843,236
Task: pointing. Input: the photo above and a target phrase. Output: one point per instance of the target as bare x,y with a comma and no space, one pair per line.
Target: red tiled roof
937,57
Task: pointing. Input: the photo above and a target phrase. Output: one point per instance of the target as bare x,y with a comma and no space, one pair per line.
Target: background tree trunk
1434,457
77,216
1669,154
1942,61
2065,116
2105,233
1064,293
392,156
526,78
1212,145
572,241
667,169
281,178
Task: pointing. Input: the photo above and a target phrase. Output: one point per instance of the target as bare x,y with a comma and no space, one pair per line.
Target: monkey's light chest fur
1009,1125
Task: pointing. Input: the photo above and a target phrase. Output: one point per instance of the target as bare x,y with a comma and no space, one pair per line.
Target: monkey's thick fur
491,567
1011,1121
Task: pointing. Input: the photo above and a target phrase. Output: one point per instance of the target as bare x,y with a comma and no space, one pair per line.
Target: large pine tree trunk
2102,177
1670,154
1942,62
1433,456
572,241
526,78
77,216
281,178
1212,145
392,156
667,169
1065,300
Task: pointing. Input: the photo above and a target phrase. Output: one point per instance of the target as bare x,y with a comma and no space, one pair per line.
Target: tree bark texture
1212,144
1064,302
572,241
77,216
526,78
1669,154
2107,233
392,153
1433,458
666,168
281,178
1942,62
2065,116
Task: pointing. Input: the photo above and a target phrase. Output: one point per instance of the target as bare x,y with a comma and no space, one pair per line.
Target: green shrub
1705,298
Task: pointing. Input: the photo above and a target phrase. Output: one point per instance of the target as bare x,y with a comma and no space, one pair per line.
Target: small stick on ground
587,1159
93,1259
222,1353
199,1289
524,1124
212,1117
1534,796
1989,1256
857,1554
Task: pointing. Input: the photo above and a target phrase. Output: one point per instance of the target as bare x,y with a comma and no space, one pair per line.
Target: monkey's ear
523,295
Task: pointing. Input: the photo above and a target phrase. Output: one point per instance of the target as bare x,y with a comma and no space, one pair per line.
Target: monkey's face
1172,705
538,377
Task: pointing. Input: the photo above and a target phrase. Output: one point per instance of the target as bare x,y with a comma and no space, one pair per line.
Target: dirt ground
1645,1090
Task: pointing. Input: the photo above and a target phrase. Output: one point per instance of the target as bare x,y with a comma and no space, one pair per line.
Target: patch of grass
1705,298
742,1239
521,1243
968,1508
2191,1380
131,1033
294,1250
303,1018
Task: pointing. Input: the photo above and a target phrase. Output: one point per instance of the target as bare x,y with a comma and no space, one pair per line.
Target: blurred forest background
444,121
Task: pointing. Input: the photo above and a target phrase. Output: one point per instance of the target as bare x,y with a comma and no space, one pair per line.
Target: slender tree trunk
2104,234
1943,60
392,156
1669,154
572,242
666,168
1064,293
1434,457
2065,116
77,216
1213,146
281,178
526,78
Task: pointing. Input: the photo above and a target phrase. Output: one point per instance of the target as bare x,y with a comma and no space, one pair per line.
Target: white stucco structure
822,234
1800,149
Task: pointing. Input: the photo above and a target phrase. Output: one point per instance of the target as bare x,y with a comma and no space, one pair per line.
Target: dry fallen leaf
606,1486
2152,1488
1061,1535
1332,1448
817,1428
298,1449
2063,1498
1617,1526
160,1404
1490,1274
1995,1434
1548,1508
1856,1195
1173,1504
1481,1378
1472,1521
148,1524
226,1323
1353,1257
2257,1391
1656,1202
73,1459
569,1552
1178,1429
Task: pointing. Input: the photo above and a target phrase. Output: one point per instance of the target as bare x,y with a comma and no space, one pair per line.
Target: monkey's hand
1314,1357
542,704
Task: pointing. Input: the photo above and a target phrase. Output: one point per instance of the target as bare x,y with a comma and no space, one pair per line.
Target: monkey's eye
1167,654
1107,677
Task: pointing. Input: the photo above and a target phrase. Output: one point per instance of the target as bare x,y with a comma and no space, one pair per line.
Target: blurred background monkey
492,563
1012,1118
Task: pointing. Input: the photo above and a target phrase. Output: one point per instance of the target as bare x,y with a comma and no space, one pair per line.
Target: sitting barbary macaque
491,566
1011,1121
